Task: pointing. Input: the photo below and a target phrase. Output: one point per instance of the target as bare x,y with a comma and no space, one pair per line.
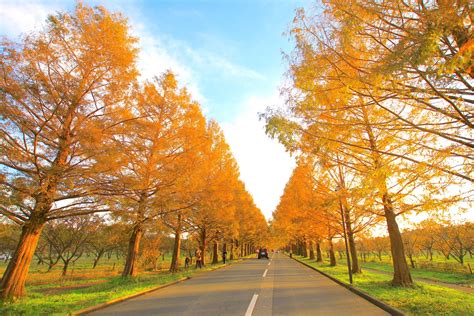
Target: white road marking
251,305
269,263
265,273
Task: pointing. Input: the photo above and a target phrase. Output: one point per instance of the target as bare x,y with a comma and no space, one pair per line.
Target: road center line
251,305
265,273
269,263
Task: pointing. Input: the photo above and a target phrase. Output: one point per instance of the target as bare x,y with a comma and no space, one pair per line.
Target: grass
421,299
447,277
49,294
439,263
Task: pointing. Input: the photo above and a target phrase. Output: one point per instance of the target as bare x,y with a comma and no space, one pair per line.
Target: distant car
262,253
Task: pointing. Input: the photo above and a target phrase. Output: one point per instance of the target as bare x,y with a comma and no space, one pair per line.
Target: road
279,286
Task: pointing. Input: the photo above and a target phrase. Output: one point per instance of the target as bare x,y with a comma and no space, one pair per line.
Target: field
49,293
421,299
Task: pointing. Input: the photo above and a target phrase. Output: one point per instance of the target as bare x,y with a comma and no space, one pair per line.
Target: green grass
439,263
421,299
447,277
62,300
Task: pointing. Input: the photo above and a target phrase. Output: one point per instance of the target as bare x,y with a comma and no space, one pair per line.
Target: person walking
198,259
224,256
186,262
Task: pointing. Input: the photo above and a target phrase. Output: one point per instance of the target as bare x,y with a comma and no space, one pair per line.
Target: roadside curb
389,309
124,298
94,308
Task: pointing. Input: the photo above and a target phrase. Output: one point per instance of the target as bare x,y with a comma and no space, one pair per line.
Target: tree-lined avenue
288,288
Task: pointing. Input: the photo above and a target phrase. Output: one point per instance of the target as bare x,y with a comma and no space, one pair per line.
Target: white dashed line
269,263
251,305
265,273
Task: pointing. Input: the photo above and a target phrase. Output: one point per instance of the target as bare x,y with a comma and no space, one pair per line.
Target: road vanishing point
278,286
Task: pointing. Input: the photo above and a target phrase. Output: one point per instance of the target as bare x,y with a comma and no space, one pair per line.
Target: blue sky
227,53
238,45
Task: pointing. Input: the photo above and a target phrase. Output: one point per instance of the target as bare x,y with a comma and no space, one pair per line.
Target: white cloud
233,69
22,17
154,59
265,167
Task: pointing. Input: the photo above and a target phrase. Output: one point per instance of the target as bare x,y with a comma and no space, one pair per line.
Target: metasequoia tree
164,128
306,211
332,114
61,89
214,212
249,222
150,249
419,68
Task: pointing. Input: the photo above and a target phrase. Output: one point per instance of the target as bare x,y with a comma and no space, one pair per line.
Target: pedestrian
186,262
224,256
198,259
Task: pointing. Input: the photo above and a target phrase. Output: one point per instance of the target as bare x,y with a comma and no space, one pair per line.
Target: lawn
51,294
447,277
421,299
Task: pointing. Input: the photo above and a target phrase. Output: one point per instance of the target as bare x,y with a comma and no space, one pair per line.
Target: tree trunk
65,266
304,247
353,251
96,260
232,249
224,250
401,273
332,257
242,253
352,245
319,256
131,268
174,267
203,245
215,253
13,281
311,250
412,262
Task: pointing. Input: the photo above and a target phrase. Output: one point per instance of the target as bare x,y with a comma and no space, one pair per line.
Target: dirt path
429,281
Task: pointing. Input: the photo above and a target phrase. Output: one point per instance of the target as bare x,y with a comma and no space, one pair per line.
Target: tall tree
61,89
215,211
333,115
154,146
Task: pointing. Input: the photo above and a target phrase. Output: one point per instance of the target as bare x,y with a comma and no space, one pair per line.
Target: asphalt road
279,286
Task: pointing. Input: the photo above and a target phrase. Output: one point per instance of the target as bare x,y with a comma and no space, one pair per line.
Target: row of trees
380,110
426,240
65,241
80,134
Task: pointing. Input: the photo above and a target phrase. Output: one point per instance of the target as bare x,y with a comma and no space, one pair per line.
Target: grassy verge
447,277
108,288
421,299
